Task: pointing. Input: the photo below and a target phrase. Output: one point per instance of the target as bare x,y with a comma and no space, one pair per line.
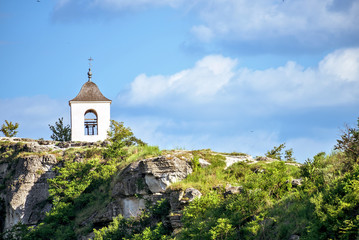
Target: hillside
126,190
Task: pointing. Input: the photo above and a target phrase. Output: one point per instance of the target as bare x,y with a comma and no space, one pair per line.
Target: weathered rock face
24,188
148,179
178,200
25,198
297,182
230,190
150,176
230,160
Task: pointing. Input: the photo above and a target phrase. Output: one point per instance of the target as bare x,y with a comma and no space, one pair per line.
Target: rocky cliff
26,165
74,190
24,170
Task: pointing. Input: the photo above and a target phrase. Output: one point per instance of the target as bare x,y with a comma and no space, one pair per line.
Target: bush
120,137
149,225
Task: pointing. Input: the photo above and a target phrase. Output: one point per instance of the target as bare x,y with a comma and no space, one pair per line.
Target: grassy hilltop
276,199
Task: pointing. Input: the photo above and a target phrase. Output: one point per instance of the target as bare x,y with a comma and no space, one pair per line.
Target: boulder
203,163
152,175
230,160
294,237
297,182
190,194
230,190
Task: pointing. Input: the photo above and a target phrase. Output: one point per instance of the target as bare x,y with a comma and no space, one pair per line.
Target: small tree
9,130
121,134
60,132
121,137
276,152
289,155
349,143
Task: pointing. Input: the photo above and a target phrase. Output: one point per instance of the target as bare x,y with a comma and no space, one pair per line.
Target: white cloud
342,64
310,24
221,105
308,21
201,83
220,81
129,4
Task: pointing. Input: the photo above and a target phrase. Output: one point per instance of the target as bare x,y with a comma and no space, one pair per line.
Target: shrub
121,137
149,225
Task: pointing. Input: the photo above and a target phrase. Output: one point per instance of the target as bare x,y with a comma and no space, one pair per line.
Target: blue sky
233,75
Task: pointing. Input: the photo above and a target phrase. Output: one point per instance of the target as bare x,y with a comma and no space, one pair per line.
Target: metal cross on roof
90,59
89,74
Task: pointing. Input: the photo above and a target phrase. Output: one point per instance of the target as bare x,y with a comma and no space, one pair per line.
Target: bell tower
90,113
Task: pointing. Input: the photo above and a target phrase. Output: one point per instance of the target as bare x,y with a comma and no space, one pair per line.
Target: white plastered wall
78,110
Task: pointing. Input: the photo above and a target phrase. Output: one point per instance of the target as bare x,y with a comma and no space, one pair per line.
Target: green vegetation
204,179
60,132
9,129
349,143
152,224
276,153
82,185
120,137
317,200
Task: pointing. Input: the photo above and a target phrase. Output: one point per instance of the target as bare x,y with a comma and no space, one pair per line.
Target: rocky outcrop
230,160
25,168
150,176
294,237
230,190
203,163
142,182
26,193
297,182
178,200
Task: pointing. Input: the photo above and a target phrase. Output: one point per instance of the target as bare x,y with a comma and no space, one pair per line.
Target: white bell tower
90,113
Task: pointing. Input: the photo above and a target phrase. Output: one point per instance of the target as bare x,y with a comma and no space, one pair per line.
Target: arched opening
91,125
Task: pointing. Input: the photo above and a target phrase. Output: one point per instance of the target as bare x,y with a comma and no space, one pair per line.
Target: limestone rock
229,190
140,182
175,220
27,194
190,194
297,182
127,207
178,200
130,182
35,147
230,160
175,200
152,175
294,237
203,163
